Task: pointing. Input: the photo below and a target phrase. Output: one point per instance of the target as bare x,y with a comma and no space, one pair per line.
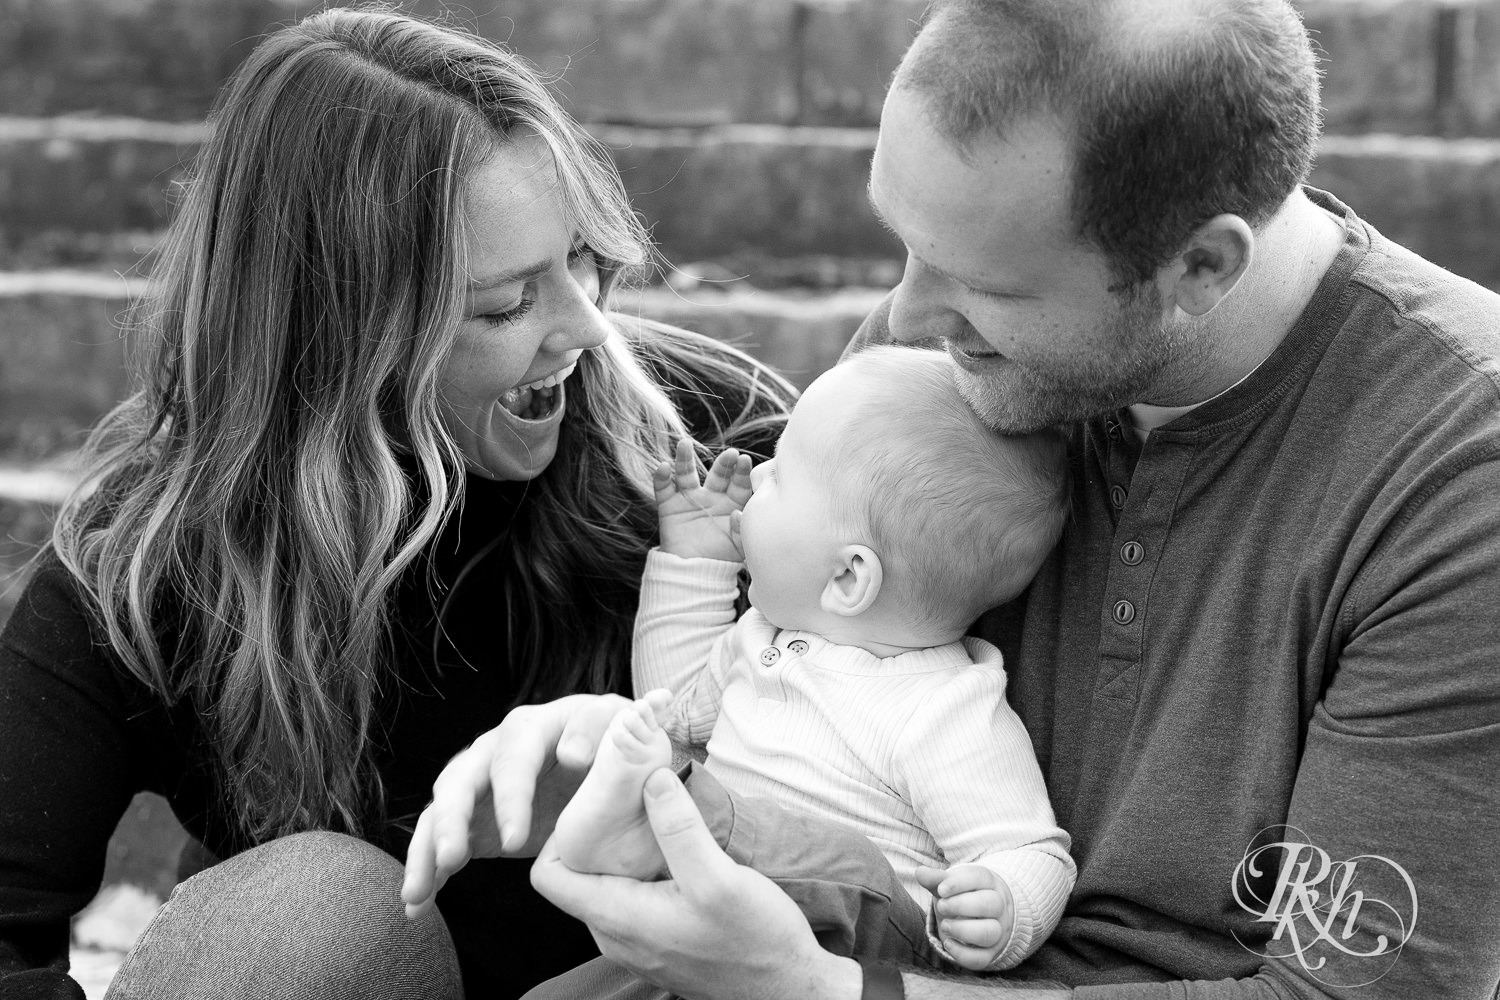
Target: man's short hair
960,515
1177,110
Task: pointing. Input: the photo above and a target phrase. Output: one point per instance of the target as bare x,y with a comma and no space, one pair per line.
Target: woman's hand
501,796
714,930
697,519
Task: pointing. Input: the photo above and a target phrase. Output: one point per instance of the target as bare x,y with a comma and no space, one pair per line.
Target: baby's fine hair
960,515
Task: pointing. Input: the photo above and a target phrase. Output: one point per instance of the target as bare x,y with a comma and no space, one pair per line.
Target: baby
889,519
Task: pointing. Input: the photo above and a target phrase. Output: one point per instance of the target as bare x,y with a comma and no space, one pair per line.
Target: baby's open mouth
536,400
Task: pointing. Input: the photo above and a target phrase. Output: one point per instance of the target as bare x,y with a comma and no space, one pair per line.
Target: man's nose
920,310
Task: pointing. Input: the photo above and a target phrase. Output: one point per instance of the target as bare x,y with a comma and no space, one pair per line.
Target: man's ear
855,583
1210,265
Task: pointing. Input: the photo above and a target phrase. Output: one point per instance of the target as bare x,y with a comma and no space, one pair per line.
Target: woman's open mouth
539,400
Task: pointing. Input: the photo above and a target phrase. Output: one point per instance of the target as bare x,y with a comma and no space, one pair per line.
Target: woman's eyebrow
520,274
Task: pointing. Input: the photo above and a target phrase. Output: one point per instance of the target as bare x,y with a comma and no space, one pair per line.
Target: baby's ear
855,583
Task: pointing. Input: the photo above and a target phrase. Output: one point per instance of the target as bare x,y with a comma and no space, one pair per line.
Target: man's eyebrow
520,274
884,224
880,218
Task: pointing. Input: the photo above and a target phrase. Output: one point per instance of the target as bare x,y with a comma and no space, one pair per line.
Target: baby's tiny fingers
721,472
930,878
971,933
685,466
973,959
661,482
967,878
739,483
980,903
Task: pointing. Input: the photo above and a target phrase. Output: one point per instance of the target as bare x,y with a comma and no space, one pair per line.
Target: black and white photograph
750,499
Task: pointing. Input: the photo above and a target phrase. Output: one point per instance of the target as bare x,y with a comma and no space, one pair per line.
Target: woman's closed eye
582,258
512,314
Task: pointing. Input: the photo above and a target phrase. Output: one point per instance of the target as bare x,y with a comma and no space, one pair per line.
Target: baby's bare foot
604,829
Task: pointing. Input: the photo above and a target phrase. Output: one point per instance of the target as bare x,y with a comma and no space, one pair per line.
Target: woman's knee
315,915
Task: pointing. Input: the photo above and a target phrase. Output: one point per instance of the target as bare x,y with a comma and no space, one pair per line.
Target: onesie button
797,646
1131,553
1124,612
1117,496
769,655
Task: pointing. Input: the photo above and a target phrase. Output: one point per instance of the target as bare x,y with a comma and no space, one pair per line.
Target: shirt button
769,655
797,646
1116,432
1124,612
1131,553
1117,496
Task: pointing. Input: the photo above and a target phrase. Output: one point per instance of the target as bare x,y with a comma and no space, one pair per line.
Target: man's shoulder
1409,357
1423,301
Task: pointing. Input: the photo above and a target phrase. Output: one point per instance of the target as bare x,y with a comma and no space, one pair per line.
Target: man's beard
1017,399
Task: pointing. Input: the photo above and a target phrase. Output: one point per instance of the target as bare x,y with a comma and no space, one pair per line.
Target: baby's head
891,514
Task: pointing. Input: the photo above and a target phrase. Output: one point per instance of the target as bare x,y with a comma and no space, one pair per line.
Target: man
1260,671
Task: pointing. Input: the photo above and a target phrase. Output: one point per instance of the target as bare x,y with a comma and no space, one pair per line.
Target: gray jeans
315,916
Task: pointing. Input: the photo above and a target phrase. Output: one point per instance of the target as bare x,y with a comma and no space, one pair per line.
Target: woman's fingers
419,884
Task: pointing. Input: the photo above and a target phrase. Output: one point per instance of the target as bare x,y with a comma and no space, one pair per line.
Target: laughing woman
386,478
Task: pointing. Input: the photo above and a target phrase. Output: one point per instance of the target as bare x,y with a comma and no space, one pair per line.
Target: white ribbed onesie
920,751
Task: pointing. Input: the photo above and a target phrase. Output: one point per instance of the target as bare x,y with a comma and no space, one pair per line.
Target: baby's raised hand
696,517
973,911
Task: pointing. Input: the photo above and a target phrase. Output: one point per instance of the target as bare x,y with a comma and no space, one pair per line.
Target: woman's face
529,313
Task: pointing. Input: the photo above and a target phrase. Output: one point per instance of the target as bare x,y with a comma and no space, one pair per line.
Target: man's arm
713,929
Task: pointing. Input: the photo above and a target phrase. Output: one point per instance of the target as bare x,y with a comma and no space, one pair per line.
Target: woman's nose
580,326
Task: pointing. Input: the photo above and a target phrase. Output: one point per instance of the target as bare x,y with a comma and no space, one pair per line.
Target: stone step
62,361
82,190
1407,66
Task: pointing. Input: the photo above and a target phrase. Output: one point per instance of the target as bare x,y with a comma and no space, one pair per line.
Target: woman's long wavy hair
245,517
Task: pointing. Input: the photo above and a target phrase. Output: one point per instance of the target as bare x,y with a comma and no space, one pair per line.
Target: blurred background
743,129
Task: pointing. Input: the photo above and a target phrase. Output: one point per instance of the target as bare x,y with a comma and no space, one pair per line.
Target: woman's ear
855,583
1210,265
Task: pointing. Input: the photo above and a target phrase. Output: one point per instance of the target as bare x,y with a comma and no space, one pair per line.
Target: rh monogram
1363,908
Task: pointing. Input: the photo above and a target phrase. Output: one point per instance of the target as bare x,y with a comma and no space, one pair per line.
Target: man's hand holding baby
699,520
973,912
